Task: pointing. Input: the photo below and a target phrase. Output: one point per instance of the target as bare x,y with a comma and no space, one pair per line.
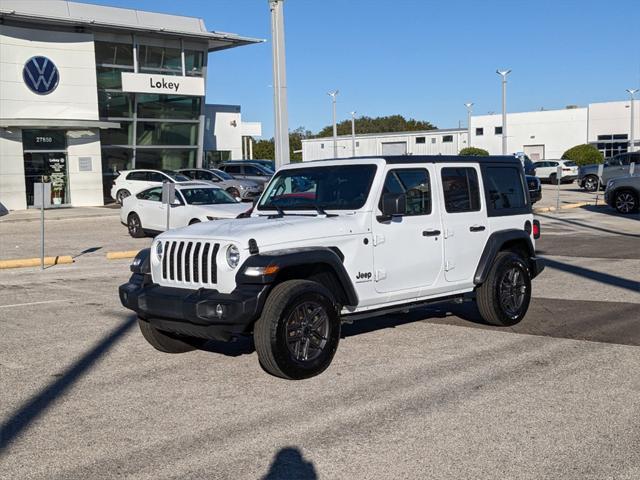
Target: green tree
391,123
583,155
265,149
473,151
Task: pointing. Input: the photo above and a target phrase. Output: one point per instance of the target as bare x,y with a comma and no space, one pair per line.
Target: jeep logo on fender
40,75
363,276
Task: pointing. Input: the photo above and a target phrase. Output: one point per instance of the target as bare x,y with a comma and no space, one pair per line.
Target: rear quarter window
505,191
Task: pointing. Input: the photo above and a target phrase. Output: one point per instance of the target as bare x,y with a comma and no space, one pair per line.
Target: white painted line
31,303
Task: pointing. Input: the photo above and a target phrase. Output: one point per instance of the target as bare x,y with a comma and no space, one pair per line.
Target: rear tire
553,178
626,201
121,195
503,299
299,330
233,192
134,225
166,342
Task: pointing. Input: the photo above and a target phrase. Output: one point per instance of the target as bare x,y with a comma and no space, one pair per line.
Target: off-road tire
121,195
134,226
271,329
626,201
488,298
166,342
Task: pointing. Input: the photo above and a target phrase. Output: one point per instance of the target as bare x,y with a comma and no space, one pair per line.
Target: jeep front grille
190,262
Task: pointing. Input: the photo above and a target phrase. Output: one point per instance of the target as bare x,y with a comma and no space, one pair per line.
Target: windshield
570,164
178,177
332,188
206,196
223,175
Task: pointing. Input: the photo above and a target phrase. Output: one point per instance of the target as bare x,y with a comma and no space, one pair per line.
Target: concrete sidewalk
33,215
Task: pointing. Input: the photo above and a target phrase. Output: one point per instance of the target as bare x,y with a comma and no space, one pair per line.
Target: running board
352,317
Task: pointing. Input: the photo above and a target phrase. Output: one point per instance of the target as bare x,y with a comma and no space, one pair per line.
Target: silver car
248,171
242,189
623,193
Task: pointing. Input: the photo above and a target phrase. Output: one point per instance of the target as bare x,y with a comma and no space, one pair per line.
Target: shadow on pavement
88,250
289,463
242,345
607,278
22,418
610,211
586,225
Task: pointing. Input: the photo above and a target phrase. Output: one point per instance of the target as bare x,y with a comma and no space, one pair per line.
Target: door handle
477,228
430,233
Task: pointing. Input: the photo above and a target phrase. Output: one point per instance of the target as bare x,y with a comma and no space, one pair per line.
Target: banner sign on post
162,84
42,195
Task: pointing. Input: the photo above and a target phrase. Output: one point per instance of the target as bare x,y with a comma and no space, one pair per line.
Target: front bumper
193,312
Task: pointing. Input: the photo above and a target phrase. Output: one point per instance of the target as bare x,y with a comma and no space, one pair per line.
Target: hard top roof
399,159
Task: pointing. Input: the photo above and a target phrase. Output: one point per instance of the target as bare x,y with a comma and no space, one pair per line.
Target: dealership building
544,134
88,90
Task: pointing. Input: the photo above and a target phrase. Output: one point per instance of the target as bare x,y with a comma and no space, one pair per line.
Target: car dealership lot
430,394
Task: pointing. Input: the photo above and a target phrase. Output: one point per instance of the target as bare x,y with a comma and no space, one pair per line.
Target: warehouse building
88,90
544,134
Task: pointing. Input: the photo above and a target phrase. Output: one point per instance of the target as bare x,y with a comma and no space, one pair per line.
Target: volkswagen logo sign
40,75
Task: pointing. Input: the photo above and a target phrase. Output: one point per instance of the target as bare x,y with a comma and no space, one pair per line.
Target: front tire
121,195
626,201
503,299
167,343
298,333
233,192
134,225
591,183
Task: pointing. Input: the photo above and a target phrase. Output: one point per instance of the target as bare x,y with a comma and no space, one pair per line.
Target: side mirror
393,204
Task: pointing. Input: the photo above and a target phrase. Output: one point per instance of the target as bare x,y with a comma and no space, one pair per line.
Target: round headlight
159,250
233,256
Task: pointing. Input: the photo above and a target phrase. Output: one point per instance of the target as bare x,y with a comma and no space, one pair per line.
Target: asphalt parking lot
431,394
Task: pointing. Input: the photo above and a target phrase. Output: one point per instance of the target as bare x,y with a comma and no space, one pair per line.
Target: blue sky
419,58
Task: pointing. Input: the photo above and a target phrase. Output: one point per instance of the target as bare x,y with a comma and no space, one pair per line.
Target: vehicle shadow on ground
606,278
34,407
605,209
289,463
241,345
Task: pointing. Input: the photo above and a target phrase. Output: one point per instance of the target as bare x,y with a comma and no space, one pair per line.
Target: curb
122,255
35,262
566,207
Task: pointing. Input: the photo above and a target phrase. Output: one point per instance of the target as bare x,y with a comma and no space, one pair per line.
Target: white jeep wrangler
336,240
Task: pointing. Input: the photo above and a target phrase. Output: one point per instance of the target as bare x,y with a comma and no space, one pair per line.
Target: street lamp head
333,94
353,114
468,105
632,91
503,73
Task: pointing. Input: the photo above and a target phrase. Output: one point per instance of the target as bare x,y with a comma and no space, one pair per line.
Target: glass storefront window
114,160
115,104
152,133
114,53
180,107
193,62
166,159
110,78
117,136
159,59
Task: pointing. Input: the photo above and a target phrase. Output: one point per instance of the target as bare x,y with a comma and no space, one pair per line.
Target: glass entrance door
45,159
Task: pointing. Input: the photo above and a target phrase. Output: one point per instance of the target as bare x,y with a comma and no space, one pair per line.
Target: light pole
353,133
503,74
333,96
632,92
469,106
281,121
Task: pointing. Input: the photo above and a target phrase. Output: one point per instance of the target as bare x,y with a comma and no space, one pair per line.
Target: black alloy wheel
307,330
626,201
512,291
135,226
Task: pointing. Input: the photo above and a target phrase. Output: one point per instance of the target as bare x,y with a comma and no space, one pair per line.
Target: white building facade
545,134
87,90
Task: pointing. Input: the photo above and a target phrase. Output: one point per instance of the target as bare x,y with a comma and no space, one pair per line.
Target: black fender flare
494,244
296,257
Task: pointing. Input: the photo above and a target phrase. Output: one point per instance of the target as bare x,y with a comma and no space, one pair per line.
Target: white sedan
145,213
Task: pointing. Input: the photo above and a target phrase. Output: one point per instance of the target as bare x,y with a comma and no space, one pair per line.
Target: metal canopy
55,123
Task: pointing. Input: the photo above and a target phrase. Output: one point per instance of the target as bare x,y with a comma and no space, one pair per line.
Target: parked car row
547,170
616,166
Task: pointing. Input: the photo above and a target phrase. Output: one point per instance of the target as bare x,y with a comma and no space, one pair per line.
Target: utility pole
353,133
632,141
503,74
469,110
281,123
333,96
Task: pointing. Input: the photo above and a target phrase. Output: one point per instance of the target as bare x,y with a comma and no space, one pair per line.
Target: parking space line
31,303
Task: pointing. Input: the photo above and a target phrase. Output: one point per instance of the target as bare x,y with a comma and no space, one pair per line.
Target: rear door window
233,169
461,190
158,177
139,176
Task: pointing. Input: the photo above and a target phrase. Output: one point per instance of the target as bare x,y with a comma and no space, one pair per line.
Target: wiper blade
279,210
322,211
